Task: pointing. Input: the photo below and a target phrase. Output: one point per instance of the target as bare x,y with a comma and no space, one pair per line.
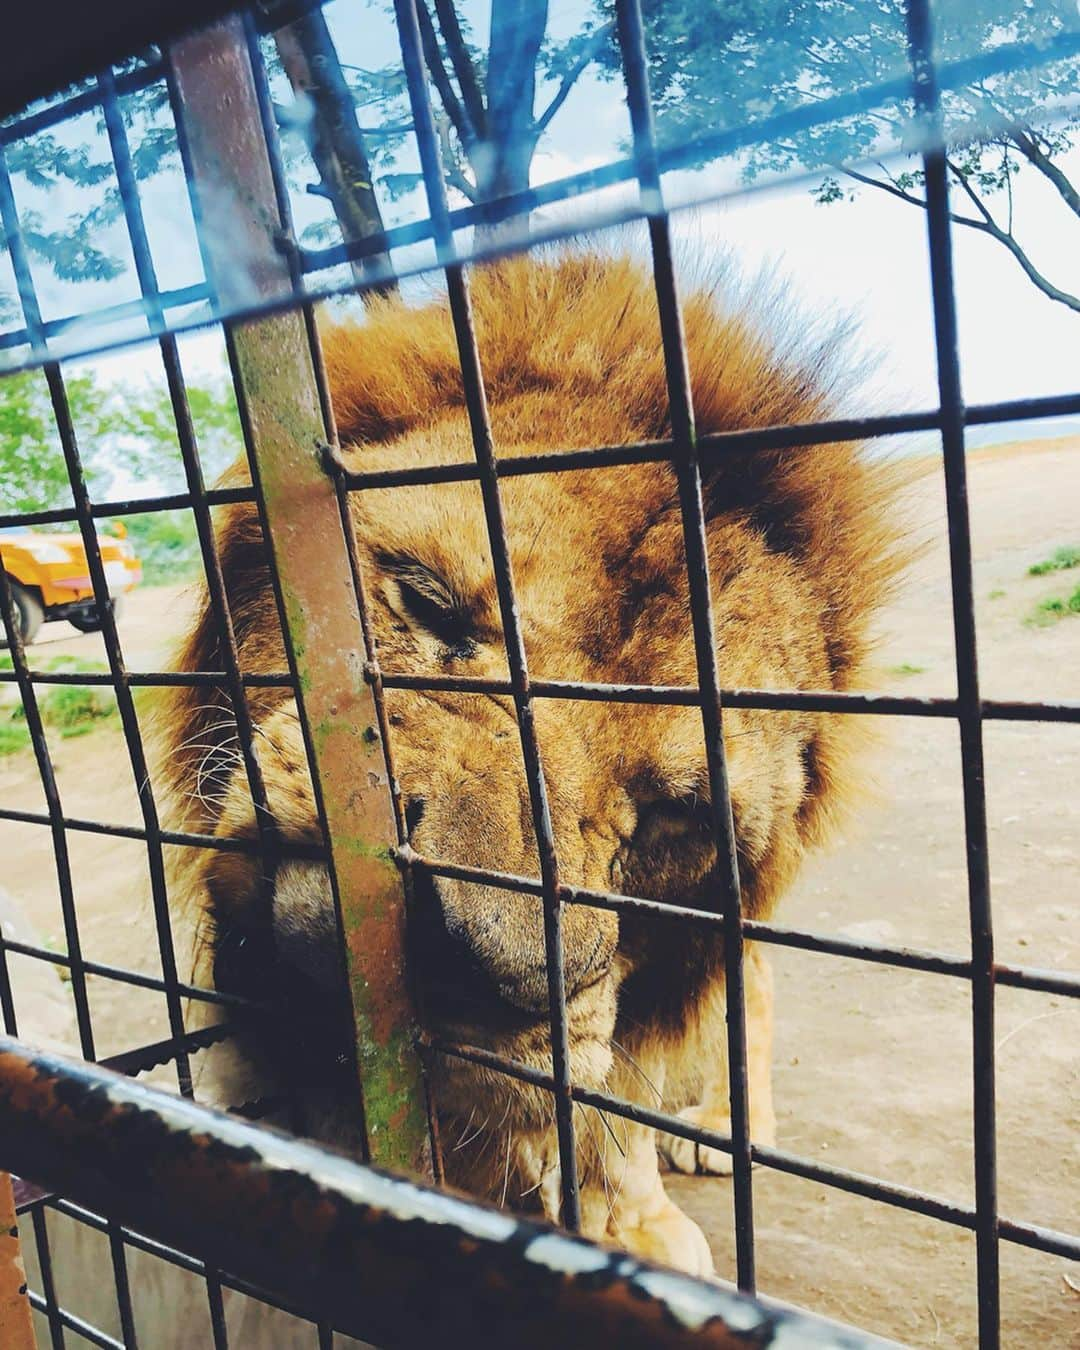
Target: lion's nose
498,937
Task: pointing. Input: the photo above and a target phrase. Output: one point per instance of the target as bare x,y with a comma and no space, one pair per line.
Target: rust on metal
246,252
359,1245
16,1324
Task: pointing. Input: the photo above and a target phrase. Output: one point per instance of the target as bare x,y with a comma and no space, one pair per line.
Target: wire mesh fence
240,203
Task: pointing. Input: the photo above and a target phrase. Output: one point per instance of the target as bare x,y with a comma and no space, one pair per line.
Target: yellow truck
49,577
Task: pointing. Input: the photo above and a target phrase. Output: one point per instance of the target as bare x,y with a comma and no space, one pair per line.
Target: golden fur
801,553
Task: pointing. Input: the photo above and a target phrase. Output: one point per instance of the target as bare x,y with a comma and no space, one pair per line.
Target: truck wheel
28,607
90,620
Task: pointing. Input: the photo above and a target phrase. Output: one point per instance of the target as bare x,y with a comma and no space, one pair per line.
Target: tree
712,65
124,432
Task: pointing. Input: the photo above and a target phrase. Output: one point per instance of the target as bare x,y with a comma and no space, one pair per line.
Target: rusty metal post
16,1324
246,247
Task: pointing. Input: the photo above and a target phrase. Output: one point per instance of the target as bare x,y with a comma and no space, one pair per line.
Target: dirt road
872,1064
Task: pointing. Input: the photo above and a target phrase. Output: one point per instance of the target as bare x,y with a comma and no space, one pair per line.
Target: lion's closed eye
429,601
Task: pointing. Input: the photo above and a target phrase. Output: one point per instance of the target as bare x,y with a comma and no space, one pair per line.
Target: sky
865,260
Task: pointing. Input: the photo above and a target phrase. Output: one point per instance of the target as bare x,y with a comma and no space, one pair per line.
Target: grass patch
996,595
906,668
1055,608
1061,560
67,709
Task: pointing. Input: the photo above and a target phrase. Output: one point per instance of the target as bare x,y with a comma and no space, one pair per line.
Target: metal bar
125,703
82,1328
280,411
61,861
313,852
128,715
48,1303
182,1261
152,679
136,506
940,963
687,696
714,446
132,977
687,466
355,1243
928,109
123,1286
839,1178
787,122
189,453
483,450
16,1324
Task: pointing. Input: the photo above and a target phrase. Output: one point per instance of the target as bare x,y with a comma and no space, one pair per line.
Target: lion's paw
670,1237
683,1155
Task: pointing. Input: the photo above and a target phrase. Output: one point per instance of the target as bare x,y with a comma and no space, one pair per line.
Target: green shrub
67,709
1061,560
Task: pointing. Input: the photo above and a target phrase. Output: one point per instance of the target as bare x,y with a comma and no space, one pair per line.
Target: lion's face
800,551
597,564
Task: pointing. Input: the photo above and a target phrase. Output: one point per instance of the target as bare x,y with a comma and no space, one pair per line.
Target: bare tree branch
986,225
1028,146
585,59
441,80
467,79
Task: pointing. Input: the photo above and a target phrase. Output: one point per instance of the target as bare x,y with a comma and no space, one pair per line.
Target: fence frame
339,686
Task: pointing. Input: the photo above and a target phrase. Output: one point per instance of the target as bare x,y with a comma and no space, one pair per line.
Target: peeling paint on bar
359,1246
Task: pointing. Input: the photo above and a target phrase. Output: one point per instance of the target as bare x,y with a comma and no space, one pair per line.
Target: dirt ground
872,1064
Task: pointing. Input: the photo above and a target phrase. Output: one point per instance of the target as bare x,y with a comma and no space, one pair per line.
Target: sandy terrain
872,1064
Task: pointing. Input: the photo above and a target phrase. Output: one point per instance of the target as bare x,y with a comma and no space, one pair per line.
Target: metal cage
244,1209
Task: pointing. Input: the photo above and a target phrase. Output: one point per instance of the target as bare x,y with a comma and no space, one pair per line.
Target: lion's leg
644,1220
622,1193
714,1112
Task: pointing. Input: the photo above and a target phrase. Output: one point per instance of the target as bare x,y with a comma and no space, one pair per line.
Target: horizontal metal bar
839,1178
132,977
181,1260
72,1323
716,445
353,1243
935,963
99,318
780,700
1039,981
789,121
151,679
130,82
132,506
288,849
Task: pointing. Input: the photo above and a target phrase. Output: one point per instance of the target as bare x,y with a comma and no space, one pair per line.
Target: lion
801,554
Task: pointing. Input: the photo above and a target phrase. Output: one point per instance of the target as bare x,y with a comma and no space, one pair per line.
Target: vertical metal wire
128,716
36,728
216,1304
688,470
969,707
125,704
189,454
20,263
123,1286
476,404
48,1284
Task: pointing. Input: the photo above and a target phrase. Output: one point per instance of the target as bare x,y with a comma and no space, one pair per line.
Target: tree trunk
337,145
501,163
